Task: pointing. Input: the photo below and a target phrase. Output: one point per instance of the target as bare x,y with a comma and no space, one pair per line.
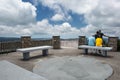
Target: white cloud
99,14
77,6
13,12
106,13
65,29
60,11
17,18
106,17
57,17
45,28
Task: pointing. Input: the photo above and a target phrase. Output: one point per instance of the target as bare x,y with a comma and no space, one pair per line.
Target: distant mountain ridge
41,38
2,39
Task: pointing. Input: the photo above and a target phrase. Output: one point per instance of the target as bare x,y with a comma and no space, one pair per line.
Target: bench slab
26,51
95,47
34,48
104,49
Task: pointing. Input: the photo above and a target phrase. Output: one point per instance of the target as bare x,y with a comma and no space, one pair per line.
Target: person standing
101,34
96,35
99,41
91,41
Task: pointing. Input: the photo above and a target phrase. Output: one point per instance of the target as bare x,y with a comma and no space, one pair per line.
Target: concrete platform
73,68
9,71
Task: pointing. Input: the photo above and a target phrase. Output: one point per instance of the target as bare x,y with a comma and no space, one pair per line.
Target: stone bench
10,71
26,51
96,48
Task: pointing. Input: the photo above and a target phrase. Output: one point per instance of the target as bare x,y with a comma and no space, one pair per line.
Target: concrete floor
113,59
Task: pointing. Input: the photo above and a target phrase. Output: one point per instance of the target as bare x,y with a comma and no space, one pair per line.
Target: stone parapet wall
55,42
41,42
9,46
112,42
26,41
69,43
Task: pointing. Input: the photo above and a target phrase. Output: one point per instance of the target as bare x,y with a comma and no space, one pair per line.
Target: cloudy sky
66,18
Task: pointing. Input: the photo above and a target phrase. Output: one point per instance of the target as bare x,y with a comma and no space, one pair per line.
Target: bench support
105,53
45,52
98,50
85,51
26,55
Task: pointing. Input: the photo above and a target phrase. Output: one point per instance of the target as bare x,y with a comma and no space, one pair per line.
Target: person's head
99,31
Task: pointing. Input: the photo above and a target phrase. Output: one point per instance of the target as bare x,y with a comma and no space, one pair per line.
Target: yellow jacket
99,42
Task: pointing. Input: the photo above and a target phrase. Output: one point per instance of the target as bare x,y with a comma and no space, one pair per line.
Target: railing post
25,41
56,42
112,42
82,40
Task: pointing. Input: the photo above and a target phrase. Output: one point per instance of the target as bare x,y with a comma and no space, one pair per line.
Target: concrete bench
26,51
96,48
10,71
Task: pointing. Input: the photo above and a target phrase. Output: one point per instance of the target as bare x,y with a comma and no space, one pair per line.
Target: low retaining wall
69,43
26,41
9,46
